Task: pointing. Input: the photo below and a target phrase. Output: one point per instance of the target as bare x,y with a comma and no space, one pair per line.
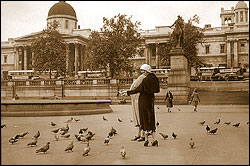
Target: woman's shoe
141,139
136,138
146,143
155,143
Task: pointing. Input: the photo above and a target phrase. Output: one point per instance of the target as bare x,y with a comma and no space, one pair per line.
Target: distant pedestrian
195,99
169,100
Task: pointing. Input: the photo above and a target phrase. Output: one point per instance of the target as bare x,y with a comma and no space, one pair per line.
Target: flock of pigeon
85,135
218,122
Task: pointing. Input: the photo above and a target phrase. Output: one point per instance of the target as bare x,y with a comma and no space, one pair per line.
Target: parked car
37,77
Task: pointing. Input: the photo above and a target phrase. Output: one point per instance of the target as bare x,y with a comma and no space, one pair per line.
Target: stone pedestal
178,77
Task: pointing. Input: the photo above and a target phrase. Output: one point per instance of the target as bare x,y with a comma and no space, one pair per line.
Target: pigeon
113,131
32,143
77,120
89,136
104,118
17,136
123,152
157,123
53,124
213,131
164,136
12,140
56,137
236,125
78,137
202,123
227,123
191,143
158,108
179,109
208,128
86,150
106,140
217,122
65,128
55,131
119,120
110,134
70,120
66,136
21,135
36,135
174,135
44,148
64,132
70,147
4,125
83,130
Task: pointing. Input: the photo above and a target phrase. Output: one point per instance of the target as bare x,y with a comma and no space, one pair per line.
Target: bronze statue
178,31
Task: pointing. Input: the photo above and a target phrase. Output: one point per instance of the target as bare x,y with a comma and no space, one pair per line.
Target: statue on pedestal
178,31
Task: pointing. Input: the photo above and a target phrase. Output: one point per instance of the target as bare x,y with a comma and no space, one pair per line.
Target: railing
74,82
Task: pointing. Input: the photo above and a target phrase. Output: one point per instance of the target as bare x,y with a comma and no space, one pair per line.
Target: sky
19,18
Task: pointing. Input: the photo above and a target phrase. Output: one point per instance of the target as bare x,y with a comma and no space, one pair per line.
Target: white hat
146,67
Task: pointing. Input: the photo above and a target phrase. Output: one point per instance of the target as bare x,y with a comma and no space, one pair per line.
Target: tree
114,45
49,50
192,36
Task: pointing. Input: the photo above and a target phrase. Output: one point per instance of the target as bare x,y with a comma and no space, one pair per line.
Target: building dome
62,8
241,5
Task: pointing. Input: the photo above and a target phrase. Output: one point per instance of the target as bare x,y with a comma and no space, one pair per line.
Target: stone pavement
229,146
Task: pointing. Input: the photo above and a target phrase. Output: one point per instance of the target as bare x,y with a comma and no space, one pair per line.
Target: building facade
227,45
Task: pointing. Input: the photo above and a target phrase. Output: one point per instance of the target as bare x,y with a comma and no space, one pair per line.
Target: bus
20,74
210,73
161,72
91,74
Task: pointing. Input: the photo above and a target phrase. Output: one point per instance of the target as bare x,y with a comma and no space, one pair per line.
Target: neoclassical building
17,55
227,45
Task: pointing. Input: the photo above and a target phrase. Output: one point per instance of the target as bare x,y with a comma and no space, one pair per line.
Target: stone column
76,58
17,59
236,58
149,55
33,60
25,57
157,56
228,55
82,57
67,58
146,53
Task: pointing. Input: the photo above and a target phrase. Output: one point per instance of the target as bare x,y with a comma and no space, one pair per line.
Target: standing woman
169,100
147,88
195,98
135,105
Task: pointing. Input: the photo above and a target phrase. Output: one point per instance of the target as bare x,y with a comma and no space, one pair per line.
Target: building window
237,17
241,16
5,59
76,25
246,16
66,24
242,47
222,48
207,49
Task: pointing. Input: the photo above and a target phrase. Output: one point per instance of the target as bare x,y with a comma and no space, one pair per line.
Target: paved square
229,146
